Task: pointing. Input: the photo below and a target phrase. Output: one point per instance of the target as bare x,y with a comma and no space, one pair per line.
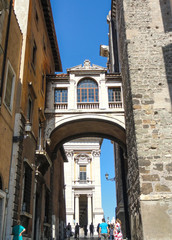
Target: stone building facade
144,44
82,182
10,55
33,171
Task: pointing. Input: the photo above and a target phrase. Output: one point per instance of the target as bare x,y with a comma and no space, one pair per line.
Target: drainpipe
5,51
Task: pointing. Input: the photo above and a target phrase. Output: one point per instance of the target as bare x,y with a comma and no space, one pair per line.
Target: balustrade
88,105
115,105
60,105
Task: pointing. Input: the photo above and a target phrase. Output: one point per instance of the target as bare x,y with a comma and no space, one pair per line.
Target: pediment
86,66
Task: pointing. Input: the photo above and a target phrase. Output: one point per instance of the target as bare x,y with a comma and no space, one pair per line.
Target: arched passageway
87,125
93,126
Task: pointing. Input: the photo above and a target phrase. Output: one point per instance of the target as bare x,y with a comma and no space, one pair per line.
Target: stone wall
144,50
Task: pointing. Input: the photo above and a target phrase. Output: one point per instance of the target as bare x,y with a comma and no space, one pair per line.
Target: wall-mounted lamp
109,179
28,126
28,129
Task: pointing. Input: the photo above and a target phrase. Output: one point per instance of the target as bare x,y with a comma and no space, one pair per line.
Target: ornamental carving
96,153
69,153
89,195
77,195
82,158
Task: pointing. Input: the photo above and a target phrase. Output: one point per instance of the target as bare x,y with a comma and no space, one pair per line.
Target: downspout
5,51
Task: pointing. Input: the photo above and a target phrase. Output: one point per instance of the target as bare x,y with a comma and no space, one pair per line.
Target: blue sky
81,28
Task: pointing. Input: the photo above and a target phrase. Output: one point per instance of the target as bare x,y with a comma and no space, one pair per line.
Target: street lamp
109,179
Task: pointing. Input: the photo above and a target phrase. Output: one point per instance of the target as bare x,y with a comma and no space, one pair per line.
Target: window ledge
28,215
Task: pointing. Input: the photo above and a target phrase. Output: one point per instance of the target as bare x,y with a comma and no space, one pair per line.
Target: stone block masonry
145,40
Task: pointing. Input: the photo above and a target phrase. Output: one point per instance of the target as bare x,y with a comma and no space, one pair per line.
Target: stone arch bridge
87,101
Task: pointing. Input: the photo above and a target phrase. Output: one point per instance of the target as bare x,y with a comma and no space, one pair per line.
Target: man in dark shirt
77,231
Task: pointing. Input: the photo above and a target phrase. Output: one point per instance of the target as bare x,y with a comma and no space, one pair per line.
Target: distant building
83,182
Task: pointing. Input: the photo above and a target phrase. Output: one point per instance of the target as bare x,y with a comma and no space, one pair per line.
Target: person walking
91,230
85,231
68,231
77,231
117,230
103,230
111,230
98,228
17,231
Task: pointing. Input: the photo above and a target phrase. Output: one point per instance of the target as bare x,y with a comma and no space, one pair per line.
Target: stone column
97,202
89,209
76,208
69,178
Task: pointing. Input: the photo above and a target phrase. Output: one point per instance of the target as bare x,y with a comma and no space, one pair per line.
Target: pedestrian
85,230
77,231
111,230
17,231
103,230
117,230
91,230
98,228
68,231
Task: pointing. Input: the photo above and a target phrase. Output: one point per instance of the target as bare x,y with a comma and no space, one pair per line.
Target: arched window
87,91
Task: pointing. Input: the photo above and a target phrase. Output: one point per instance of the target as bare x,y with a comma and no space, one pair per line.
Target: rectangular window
82,170
43,83
60,96
47,207
34,50
27,188
114,94
9,91
29,109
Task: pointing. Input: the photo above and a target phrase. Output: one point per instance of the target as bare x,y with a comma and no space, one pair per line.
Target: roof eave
46,6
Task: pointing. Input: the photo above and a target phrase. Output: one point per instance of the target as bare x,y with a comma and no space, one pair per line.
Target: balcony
43,161
88,105
83,184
